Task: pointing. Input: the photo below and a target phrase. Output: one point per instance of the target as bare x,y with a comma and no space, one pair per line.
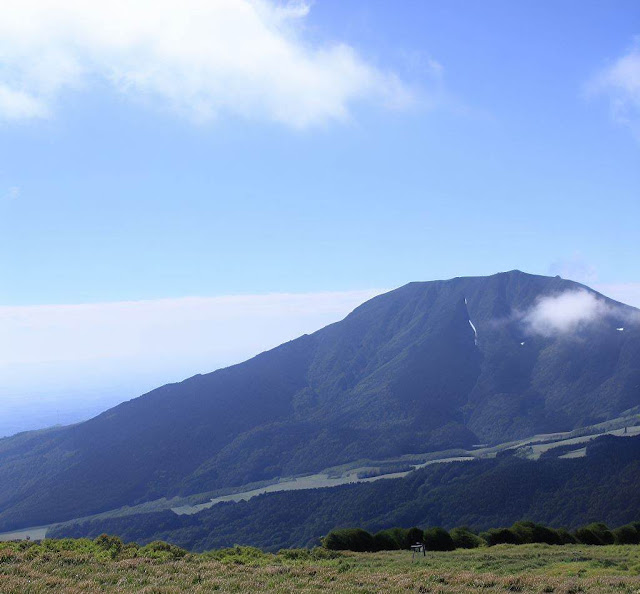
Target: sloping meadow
103,565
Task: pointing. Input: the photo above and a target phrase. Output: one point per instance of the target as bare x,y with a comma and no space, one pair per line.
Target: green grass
87,566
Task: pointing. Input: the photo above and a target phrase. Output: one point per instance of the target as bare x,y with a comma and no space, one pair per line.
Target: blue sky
163,151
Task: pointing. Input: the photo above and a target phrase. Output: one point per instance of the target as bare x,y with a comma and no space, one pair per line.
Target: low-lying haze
63,363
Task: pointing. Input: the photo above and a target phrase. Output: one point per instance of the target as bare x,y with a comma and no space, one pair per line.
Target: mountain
428,366
602,486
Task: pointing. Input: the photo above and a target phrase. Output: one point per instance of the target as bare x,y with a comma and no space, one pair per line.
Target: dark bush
401,537
384,541
529,532
397,538
158,549
496,536
110,544
414,535
626,535
587,536
438,539
603,532
463,538
566,537
349,539
595,534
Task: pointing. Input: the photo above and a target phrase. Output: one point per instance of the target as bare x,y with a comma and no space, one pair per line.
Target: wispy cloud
200,58
620,82
568,312
20,105
564,313
574,268
12,193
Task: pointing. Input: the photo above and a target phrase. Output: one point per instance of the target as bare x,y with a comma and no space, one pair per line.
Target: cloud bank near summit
568,312
564,313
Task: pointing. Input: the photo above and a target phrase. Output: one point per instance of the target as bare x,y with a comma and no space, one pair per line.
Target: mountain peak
428,366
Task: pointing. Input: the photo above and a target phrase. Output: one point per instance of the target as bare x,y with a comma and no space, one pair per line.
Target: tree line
439,539
481,495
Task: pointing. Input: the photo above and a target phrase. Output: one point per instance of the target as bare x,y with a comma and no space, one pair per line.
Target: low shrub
414,535
158,549
496,536
566,537
595,534
529,532
349,539
295,554
626,535
463,538
385,541
322,553
438,539
111,545
239,555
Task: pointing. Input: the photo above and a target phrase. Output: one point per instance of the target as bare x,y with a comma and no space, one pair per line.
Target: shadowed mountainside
405,372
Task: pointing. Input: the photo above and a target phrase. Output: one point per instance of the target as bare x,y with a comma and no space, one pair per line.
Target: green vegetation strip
106,565
438,539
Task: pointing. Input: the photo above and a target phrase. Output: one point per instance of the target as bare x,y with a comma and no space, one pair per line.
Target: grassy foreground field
81,566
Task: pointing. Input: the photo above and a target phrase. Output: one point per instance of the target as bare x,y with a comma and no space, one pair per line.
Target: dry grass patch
80,566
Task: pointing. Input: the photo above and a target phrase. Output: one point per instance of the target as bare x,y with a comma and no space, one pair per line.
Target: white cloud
620,82
565,313
12,193
18,105
201,58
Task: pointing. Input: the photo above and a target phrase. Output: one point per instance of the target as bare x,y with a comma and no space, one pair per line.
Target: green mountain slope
603,486
428,366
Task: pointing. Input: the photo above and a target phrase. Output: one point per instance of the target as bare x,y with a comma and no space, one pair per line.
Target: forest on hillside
484,494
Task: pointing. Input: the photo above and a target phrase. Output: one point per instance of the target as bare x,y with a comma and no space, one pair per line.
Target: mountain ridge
430,365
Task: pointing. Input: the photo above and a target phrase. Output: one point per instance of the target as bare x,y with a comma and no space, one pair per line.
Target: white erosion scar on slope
475,332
